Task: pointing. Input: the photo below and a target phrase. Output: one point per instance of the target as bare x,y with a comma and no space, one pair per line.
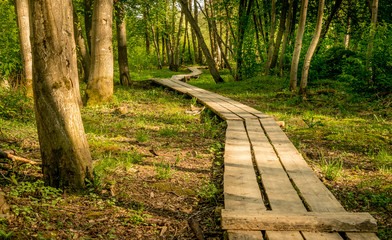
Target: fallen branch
196,229
17,158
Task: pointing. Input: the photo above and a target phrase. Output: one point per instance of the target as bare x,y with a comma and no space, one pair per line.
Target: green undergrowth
345,136
142,139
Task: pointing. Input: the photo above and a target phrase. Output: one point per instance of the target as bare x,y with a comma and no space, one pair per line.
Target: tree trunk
272,37
347,34
280,34
125,79
210,61
66,159
100,84
324,31
146,34
176,45
312,48
369,54
243,19
82,49
88,12
22,15
298,45
286,36
156,44
199,58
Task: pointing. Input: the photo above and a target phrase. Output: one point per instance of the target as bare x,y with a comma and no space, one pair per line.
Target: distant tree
210,61
81,47
125,78
66,159
100,84
373,23
312,48
22,14
298,45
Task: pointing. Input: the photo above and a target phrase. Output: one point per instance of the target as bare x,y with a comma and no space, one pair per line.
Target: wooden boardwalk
270,192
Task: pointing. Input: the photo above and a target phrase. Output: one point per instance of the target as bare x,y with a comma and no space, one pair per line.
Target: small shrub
331,169
162,170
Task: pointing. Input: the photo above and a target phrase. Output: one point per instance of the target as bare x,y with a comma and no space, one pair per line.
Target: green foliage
10,57
35,190
5,235
14,104
162,170
331,168
208,192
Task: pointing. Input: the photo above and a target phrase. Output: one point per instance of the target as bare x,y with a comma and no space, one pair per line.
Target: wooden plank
275,235
309,221
241,190
317,196
245,235
279,190
361,236
321,236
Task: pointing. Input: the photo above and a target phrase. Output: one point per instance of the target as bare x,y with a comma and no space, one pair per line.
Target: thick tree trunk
100,84
22,15
66,159
125,79
88,13
298,45
82,49
312,48
210,61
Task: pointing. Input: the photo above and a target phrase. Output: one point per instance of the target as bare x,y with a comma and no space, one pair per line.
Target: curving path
270,192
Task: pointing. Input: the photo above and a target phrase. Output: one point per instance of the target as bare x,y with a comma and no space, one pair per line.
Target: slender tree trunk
194,39
285,37
324,31
176,45
243,19
312,48
163,48
347,34
184,44
125,78
100,84
210,61
298,45
199,58
66,159
373,24
272,38
156,44
146,33
82,49
22,15
282,24
88,13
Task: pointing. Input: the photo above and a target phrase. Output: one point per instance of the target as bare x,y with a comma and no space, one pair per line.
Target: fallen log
15,158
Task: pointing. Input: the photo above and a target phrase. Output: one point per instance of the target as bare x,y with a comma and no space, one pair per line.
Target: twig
16,158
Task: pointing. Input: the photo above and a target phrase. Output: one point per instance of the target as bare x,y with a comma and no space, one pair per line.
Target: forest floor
158,165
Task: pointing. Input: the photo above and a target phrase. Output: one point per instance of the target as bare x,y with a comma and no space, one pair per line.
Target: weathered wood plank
317,196
275,235
362,236
241,190
245,235
321,236
309,221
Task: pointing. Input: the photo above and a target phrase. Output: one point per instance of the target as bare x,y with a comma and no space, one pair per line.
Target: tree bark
312,48
66,159
22,16
210,61
82,49
100,84
125,78
156,44
298,45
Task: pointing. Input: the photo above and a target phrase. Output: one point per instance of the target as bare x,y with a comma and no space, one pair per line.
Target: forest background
323,67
